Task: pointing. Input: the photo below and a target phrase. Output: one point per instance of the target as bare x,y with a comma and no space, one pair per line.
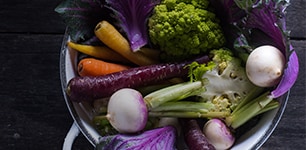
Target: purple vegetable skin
218,134
194,137
89,88
289,77
269,17
133,16
155,139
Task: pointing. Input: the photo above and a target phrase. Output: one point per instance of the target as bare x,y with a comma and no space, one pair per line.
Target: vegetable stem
185,106
189,114
173,93
272,105
249,110
249,97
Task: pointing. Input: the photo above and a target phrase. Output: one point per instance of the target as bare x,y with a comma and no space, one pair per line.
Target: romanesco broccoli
184,28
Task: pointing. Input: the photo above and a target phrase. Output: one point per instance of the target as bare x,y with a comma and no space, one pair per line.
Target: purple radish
218,134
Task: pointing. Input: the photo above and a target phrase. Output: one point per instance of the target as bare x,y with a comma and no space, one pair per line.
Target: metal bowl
82,113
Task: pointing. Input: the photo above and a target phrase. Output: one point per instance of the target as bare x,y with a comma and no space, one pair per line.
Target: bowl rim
83,127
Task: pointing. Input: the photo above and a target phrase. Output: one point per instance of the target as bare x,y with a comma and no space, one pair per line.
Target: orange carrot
111,37
96,67
102,52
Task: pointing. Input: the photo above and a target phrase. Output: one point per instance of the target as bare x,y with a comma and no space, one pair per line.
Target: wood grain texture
33,112
296,19
34,16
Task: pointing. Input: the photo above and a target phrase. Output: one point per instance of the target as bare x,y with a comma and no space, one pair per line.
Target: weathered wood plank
33,113
36,16
29,43
296,18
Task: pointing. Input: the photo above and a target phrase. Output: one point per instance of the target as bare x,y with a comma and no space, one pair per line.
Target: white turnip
265,65
127,111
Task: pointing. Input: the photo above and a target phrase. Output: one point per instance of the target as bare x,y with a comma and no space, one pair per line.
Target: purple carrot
193,135
89,88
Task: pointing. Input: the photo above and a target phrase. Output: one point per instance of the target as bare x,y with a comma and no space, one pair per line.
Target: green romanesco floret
184,28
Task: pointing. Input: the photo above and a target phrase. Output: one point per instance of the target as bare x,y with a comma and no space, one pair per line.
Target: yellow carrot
96,67
111,37
102,52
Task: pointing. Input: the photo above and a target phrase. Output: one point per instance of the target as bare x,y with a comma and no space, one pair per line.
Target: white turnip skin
218,134
265,65
127,111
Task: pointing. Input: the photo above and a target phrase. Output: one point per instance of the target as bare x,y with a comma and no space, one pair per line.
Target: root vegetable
91,88
96,67
194,137
265,65
218,134
101,52
127,111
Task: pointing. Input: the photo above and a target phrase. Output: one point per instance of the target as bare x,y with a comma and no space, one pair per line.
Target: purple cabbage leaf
155,139
260,22
132,16
81,17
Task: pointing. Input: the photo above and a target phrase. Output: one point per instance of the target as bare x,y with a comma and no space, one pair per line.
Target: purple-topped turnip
218,134
127,111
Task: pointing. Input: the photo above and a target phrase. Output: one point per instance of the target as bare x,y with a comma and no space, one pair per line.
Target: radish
265,65
218,134
127,111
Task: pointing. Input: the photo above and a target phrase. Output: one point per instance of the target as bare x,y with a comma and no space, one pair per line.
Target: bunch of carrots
113,57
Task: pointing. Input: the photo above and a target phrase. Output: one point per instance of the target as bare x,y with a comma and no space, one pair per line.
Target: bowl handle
71,136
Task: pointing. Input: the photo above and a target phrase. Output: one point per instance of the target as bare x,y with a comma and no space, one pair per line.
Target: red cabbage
155,139
132,16
289,76
253,22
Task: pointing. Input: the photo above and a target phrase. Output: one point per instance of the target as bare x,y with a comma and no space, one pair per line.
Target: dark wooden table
33,114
